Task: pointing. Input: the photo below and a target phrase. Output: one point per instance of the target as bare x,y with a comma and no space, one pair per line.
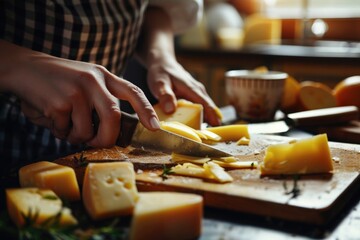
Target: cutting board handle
325,116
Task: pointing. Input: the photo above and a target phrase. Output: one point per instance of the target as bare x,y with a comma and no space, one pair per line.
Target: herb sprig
166,172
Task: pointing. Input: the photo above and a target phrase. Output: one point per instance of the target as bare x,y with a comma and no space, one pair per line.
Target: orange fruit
289,101
315,95
347,92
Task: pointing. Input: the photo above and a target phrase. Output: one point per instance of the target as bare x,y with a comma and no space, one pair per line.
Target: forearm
157,38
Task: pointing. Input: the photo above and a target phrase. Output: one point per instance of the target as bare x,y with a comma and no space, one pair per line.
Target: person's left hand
168,80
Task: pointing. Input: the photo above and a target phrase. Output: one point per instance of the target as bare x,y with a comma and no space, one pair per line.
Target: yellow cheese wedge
33,201
180,158
167,215
231,132
243,141
298,157
218,172
209,135
109,189
61,179
180,129
188,113
191,170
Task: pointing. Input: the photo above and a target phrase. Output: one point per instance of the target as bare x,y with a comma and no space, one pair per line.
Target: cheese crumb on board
310,155
61,179
34,201
167,215
109,189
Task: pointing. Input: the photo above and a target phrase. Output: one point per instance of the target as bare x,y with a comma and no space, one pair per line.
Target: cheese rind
310,155
188,113
48,175
109,189
167,215
31,201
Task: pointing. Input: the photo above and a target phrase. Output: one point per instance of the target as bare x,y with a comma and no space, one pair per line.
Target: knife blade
318,117
133,133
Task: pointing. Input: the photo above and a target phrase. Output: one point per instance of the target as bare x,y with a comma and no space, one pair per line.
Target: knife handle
128,125
325,116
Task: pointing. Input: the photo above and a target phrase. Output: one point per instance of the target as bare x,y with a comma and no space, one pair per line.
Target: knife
310,118
133,133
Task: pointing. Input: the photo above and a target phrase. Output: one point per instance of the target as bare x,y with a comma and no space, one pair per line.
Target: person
62,60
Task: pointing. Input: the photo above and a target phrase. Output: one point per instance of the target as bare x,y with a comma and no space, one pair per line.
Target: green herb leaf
166,172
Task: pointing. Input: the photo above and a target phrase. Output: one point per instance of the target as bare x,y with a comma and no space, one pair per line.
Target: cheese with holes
167,215
188,113
41,202
310,155
61,179
109,189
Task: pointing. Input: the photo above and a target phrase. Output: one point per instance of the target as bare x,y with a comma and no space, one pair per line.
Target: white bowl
255,95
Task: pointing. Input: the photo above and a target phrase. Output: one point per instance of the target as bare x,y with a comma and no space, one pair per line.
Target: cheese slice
33,201
188,113
310,155
167,215
232,132
109,189
181,129
61,179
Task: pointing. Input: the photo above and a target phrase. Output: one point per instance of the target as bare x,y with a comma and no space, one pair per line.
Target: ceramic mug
255,95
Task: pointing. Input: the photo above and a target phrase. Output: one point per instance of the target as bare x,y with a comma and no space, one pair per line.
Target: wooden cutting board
321,197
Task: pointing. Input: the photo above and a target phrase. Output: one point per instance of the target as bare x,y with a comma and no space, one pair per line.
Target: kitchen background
316,40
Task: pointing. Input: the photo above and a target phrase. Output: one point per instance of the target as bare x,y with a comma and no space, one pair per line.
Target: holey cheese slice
310,155
109,189
40,205
60,179
167,215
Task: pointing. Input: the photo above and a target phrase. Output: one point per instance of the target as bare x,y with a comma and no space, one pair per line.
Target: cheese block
188,113
109,189
167,215
61,179
310,155
231,132
260,29
34,201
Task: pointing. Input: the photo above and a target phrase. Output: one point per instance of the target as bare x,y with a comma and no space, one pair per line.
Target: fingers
166,87
161,88
125,90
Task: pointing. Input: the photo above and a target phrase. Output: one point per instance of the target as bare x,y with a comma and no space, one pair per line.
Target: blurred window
312,8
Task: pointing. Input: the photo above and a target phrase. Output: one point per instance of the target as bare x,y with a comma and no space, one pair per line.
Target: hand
168,80
61,94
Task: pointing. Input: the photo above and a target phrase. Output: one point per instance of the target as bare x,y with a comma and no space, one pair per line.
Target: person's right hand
61,94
